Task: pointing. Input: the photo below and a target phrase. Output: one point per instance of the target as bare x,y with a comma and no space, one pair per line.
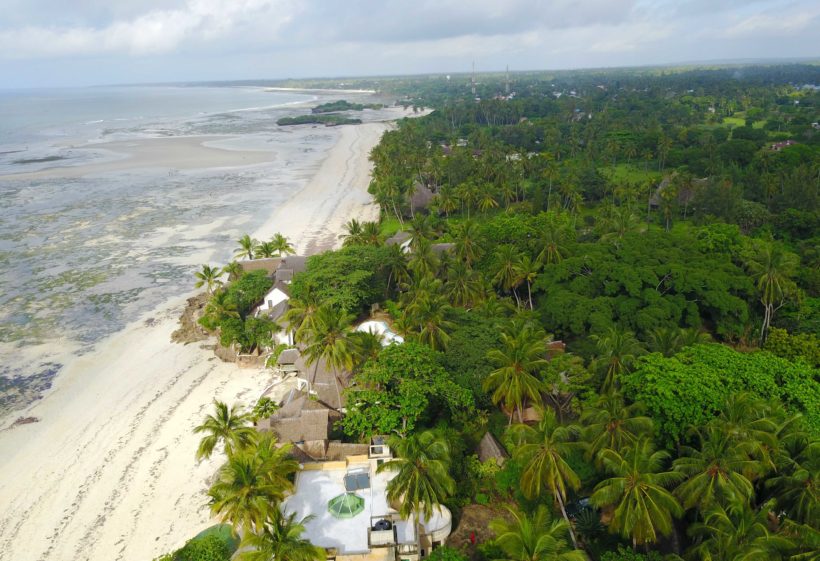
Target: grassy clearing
630,173
389,226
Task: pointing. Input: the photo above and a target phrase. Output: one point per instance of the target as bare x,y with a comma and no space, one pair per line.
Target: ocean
82,255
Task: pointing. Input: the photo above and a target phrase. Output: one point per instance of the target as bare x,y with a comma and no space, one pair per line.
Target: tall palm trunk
564,514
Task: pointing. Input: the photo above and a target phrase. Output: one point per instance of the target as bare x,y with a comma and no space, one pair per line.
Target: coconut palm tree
230,426
328,339
278,466
421,230
464,286
771,267
468,247
301,313
247,247
424,260
371,233
354,233
424,317
219,308
243,496
395,263
617,350
281,245
422,481
543,450
487,201
521,355
714,469
797,487
506,277
527,271
738,533
553,241
208,277
280,538
643,507
446,201
233,270
535,538
266,250
610,423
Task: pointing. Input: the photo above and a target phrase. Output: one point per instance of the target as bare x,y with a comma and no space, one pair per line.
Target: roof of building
422,196
490,449
277,311
398,238
296,263
313,424
340,450
442,247
270,265
288,356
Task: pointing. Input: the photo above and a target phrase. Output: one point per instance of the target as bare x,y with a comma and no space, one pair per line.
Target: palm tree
234,270
422,481
665,340
242,495
464,286
301,313
610,423
354,233
798,486
329,339
266,250
371,233
208,277
539,538
714,470
514,381
487,201
543,450
527,271
738,533
617,350
772,268
247,247
281,245
643,507
396,266
276,459
219,308
231,426
506,276
553,240
425,320
280,538
446,200
468,248
424,261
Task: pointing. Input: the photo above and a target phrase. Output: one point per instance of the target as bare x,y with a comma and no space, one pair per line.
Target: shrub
210,547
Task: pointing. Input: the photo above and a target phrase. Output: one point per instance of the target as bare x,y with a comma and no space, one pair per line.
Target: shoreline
109,470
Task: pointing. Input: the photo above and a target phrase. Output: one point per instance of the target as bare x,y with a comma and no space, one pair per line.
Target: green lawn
389,226
632,173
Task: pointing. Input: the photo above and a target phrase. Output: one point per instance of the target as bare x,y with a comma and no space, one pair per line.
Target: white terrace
377,533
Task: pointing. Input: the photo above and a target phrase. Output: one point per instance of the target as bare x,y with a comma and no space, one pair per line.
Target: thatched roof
341,450
398,238
491,449
309,425
422,196
269,265
442,247
288,356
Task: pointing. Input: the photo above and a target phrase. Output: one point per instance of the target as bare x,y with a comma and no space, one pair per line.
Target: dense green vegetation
344,105
650,221
331,120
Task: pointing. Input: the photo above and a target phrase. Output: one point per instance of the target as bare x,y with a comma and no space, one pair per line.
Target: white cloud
157,31
782,22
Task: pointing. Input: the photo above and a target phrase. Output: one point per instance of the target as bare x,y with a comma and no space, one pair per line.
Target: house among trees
352,517
778,146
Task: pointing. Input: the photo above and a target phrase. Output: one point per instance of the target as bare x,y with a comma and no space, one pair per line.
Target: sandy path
109,472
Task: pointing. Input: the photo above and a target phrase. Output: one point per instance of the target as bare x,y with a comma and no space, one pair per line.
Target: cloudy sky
79,42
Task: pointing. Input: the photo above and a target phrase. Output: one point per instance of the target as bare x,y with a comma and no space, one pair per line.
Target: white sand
109,471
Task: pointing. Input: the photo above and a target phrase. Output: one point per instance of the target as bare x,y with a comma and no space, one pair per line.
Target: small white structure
381,330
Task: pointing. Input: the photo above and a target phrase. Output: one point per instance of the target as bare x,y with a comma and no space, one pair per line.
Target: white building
373,531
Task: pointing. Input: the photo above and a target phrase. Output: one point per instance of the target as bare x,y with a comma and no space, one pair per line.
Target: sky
45,43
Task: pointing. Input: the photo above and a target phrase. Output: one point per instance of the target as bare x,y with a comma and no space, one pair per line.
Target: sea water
82,257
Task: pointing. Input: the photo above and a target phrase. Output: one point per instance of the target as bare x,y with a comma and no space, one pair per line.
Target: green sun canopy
346,506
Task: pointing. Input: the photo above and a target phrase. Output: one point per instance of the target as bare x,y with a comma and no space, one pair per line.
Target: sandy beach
109,471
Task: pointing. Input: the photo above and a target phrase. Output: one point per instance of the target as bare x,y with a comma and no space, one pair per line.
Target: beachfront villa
352,518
